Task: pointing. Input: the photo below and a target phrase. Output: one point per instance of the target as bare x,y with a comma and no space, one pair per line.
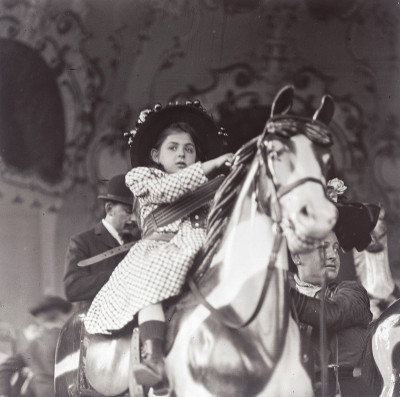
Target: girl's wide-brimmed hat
356,221
152,122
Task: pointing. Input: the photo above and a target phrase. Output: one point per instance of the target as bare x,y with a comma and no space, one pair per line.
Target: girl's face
176,152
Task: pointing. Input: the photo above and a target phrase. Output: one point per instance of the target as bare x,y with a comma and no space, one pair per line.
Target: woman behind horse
346,306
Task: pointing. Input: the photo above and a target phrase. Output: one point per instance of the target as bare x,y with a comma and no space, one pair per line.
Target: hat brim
355,223
51,303
116,199
147,133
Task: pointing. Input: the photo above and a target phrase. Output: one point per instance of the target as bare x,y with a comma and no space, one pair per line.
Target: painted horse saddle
91,365
97,365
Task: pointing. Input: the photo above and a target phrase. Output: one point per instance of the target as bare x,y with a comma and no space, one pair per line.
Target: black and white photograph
199,198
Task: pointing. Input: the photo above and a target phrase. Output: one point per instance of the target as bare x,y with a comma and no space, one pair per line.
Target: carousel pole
322,334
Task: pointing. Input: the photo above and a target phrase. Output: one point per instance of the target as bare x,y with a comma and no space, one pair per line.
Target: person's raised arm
213,165
143,181
348,307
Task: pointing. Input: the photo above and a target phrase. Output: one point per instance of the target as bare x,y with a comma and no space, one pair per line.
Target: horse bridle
277,193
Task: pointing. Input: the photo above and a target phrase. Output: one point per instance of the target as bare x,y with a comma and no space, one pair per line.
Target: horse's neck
247,244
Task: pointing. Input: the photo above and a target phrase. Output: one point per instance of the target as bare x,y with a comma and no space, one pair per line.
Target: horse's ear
326,110
283,101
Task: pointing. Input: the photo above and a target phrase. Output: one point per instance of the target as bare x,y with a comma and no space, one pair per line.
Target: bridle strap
270,267
287,189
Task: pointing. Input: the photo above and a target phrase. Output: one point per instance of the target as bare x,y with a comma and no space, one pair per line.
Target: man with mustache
82,283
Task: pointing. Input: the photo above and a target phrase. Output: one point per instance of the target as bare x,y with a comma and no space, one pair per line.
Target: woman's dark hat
117,191
152,122
355,224
49,303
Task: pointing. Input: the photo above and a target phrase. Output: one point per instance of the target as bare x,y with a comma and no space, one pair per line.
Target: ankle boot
151,372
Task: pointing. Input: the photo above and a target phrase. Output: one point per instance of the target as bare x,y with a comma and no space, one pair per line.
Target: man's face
322,261
121,217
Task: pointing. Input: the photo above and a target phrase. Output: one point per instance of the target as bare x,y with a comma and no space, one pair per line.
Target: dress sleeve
347,307
158,187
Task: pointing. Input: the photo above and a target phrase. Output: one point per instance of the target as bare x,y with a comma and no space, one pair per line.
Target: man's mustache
131,224
131,229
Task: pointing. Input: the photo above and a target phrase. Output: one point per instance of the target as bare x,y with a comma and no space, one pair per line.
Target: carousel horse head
238,337
294,156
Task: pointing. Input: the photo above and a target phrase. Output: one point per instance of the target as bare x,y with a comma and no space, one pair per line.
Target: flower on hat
130,134
143,115
334,188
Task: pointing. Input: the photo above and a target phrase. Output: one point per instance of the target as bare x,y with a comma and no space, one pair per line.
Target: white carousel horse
234,335
381,356
239,339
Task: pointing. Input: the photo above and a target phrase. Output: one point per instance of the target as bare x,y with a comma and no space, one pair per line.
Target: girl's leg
152,313
150,371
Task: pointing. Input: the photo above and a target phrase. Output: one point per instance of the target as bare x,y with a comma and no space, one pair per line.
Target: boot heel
145,376
161,389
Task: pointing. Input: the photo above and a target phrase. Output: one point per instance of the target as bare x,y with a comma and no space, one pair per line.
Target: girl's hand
213,165
224,160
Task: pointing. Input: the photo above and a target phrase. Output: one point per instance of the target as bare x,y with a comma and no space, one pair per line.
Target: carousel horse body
381,356
233,335
222,347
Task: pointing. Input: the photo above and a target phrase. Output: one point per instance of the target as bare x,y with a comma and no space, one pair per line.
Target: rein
287,189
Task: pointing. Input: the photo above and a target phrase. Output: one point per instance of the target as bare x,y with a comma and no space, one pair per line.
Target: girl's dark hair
179,127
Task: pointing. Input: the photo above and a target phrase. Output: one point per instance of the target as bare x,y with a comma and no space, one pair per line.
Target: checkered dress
152,271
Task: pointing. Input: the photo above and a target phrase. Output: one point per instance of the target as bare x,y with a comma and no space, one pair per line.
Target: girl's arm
159,187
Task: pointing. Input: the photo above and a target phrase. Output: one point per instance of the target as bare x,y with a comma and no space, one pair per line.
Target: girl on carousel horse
173,151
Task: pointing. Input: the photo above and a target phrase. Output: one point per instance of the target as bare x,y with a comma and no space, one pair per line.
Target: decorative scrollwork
56,38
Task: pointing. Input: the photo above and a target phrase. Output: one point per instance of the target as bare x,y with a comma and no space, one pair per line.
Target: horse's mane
223,205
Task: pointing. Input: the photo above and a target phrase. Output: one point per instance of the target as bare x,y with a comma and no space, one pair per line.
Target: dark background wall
75,74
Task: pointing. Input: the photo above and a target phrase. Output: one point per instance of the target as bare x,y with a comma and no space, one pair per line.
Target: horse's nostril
304,211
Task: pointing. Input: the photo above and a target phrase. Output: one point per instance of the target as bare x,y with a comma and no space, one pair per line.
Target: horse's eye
273,155
277,151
